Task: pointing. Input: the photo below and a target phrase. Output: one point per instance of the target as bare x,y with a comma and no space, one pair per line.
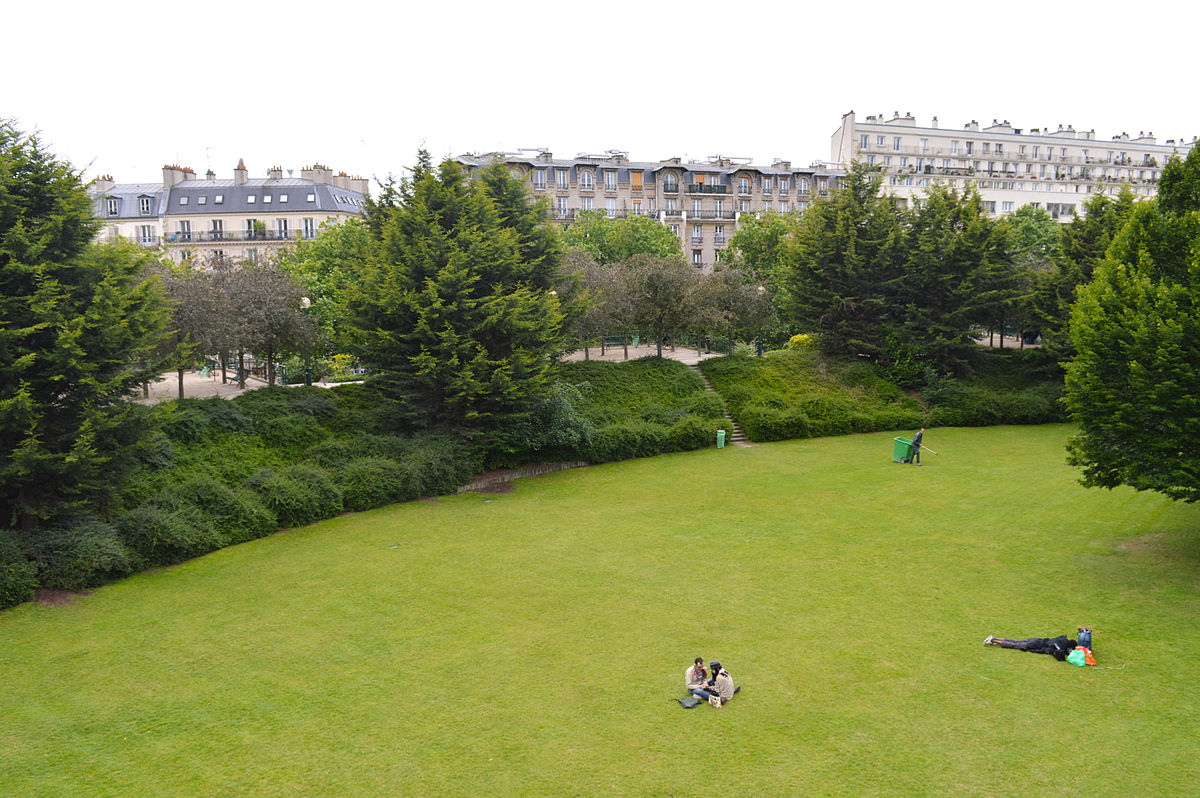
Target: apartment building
702,202
1055,169
194,219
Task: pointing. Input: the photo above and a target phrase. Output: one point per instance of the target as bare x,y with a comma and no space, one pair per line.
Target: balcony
670,188
208,236
705,188
697,239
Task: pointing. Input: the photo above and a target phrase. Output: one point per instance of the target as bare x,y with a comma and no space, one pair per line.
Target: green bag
1077,657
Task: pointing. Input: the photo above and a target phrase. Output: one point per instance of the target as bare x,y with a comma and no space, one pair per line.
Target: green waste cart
720,439
901,450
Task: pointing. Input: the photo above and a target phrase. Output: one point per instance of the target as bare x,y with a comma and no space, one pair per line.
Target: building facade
194,220
1010,167
702,202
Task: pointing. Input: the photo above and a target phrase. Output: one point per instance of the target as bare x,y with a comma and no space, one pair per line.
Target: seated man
721,684
694,679
1058,647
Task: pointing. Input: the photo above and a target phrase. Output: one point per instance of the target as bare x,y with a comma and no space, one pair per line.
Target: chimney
239,173
173,174
210,175
103,183
934,125
275,173
317,173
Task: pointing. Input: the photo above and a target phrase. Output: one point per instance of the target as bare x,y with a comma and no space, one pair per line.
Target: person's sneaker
990,639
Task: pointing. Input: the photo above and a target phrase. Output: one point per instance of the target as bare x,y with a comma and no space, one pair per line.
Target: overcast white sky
125,87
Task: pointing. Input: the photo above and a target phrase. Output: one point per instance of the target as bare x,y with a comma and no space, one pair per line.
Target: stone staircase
733,433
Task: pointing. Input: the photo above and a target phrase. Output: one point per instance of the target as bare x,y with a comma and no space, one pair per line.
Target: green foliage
369,482
326,267
194,420
691,432
612,241
235,515
18,576
442,462
456,311
295,432
760,243
627,440
78,325
297,495
161,537
80,554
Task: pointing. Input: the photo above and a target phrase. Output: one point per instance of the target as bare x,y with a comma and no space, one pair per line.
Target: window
802,185
697,257
113,206
250,200
309,198
1042,170
675,230
862,142
635,179
146,233
887,160
266,199
954,148
145,205
783,206
879,140
970,147
766,181
783,185
283,197
1006,207
585,204
744,206
696,205
610,180
719,233
250,225
610,207
562,178
586,181
924,144
895,144
987,147
202,199
719,206
870,160
670,184
802,206
743,185
185,231
697,234
999,148
281,228
766,205
670,203
183,200
637,207
310,230
1062,152
218,229
903,160
539,178
560,207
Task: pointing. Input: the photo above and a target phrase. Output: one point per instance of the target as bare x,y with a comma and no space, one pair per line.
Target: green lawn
528,643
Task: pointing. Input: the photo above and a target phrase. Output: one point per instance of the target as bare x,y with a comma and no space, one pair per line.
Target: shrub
155,450
442,462
83,553
238,515
692,432
161,537
335,453
624,441
801,341
662,416
193,420
18,576
706,405
373,482
762,424
293,432
743,349
298,495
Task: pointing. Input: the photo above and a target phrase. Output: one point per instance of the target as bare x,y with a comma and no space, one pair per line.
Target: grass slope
528,643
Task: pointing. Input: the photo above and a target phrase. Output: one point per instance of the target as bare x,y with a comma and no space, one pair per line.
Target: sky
123,88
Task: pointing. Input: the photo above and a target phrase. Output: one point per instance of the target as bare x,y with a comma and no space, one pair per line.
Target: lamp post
305,305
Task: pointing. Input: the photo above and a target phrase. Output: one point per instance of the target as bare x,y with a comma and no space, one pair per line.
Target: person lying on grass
1058,647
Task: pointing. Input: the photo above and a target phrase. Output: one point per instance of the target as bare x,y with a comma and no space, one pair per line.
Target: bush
297,495
194,420
161,537
762,424
335,454
18,576
238,515
706,405
81,554
370,482
293,432
442,463
627,440
692,432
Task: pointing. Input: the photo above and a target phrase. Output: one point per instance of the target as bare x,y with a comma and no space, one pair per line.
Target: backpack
1085,637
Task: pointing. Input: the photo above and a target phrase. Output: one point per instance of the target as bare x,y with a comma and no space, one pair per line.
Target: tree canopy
616,240
456,308
1134,383
78,325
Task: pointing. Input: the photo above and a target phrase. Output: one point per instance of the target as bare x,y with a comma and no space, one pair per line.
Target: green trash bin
720,439
901,450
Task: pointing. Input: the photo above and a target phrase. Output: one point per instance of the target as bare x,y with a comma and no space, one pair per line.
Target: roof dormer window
202,199
183,200
283,197
311,198
219,199
145,205
113,206
251,199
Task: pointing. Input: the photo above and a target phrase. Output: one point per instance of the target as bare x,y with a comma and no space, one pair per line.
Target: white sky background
122,88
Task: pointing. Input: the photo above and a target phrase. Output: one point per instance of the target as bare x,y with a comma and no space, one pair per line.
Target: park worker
915,456
694,679
721,683
1057,647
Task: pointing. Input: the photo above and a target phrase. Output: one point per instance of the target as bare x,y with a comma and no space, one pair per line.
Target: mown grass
530,643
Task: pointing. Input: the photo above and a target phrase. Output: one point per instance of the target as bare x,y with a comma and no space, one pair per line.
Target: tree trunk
1001,333
241,375
625,341
181,382
587,355
270,367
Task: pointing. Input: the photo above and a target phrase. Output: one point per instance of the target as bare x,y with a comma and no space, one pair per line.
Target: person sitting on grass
1058,647
721,683
694,679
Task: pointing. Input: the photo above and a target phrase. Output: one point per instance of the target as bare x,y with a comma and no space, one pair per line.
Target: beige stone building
701,201
195,219
1011,167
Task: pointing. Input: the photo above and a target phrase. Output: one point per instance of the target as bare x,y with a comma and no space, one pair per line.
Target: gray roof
201,196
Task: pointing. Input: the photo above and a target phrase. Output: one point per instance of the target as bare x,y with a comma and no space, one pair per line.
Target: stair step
733,433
